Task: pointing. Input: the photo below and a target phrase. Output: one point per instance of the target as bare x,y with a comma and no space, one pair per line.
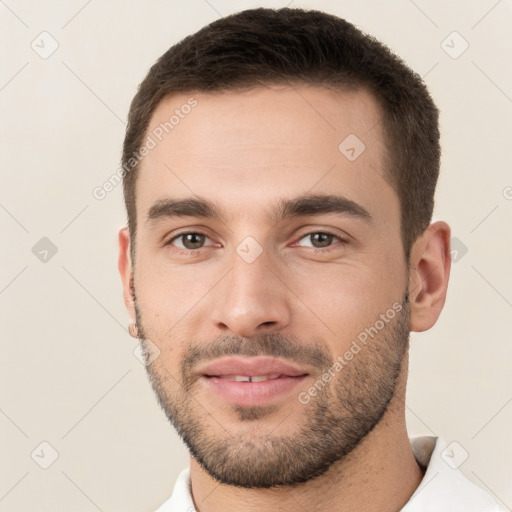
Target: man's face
239,295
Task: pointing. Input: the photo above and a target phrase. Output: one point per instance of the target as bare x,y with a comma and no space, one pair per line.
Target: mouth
251,381
248,378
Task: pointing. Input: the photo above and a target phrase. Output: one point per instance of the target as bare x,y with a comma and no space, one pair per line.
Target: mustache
273,344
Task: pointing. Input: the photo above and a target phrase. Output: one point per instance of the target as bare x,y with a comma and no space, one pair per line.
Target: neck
381,469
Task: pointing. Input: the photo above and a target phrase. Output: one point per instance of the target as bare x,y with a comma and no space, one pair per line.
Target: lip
251,393
250,366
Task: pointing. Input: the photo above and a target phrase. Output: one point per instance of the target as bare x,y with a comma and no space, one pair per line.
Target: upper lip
251,367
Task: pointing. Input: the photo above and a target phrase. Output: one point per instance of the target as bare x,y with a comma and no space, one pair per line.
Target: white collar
442,488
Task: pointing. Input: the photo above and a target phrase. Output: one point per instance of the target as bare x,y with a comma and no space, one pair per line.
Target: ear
125,269
428,276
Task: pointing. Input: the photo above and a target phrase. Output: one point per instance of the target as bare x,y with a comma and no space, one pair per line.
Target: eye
190,241
321,239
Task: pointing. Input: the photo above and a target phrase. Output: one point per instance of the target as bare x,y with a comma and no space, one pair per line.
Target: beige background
69,375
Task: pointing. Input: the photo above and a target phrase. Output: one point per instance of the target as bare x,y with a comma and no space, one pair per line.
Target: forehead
244,149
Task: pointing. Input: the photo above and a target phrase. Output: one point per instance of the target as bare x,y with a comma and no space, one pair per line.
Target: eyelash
179,250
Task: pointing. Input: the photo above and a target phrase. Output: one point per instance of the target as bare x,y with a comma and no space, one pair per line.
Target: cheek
160,283
169,295
344,299
337,296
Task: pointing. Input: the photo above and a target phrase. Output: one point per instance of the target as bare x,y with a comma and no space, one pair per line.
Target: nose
252,299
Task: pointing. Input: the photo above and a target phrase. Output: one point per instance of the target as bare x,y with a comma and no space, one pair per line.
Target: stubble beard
334,422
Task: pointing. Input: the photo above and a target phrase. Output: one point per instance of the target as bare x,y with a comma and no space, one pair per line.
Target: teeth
246,378
264,377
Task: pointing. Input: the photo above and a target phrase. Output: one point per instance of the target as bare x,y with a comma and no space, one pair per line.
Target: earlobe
126,271
429,275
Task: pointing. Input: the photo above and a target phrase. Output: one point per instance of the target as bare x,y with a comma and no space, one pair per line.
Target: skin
244,152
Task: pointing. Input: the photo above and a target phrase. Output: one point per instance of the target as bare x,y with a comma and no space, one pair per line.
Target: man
280,169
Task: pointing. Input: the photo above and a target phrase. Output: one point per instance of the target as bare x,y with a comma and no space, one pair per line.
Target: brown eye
189,241
320,240
193,240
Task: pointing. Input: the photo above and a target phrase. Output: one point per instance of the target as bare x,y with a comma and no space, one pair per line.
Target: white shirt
443,488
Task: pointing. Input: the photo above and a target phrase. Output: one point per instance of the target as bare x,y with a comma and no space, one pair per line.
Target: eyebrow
305,205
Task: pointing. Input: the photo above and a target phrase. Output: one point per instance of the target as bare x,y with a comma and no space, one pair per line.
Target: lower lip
252,393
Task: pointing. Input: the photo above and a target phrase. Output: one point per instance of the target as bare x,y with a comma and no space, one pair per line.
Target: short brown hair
263,46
